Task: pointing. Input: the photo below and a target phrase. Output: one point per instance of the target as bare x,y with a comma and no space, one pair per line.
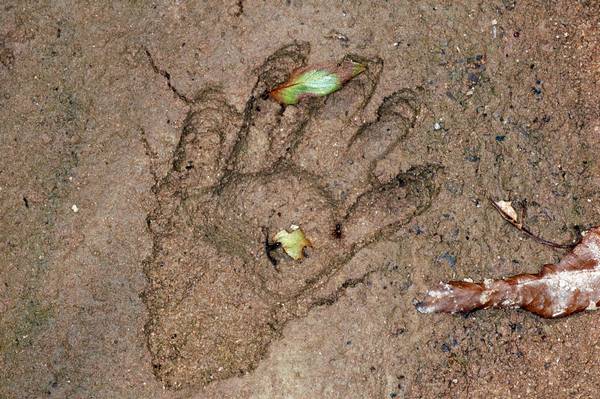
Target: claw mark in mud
349,283
165,75
214,300
7,56
151,154
240,8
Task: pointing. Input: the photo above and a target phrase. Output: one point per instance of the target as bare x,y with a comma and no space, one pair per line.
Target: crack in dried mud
165,74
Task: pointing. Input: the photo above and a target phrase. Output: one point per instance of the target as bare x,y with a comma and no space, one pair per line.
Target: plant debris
570,286
561,289
316,81
509,214
293,243
334,34
506,208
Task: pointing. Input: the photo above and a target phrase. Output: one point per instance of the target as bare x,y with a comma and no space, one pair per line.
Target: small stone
75,208
449,258
473,78
454,187
334,34
45,138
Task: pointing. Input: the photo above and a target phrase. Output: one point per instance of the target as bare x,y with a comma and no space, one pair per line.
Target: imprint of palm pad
215,299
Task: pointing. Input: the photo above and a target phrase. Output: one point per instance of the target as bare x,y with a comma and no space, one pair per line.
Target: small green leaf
293,243
316,81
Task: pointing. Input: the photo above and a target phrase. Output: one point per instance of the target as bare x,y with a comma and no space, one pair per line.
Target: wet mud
144,173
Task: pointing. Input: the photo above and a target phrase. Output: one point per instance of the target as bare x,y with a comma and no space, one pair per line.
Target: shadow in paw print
214,298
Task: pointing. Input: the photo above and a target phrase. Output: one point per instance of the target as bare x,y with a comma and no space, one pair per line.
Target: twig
519,225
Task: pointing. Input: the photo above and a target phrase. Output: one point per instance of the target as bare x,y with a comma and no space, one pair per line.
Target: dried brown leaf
507,208
561,289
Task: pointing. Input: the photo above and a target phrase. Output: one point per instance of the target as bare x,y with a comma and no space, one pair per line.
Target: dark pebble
449,258
516,327
454,187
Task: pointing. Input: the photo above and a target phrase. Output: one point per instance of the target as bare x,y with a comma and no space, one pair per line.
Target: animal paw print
215,299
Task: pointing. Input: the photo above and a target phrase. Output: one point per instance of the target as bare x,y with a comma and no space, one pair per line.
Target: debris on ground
293,243
562,289
316,81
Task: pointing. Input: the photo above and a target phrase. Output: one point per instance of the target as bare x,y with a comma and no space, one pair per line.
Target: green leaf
315,81
293,243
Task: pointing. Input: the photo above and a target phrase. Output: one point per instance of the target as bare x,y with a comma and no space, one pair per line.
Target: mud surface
143,171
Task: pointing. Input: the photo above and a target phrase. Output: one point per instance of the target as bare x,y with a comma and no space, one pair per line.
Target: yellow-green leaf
293,243
316,81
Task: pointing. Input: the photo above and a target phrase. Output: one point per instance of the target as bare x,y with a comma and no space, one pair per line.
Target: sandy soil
142,167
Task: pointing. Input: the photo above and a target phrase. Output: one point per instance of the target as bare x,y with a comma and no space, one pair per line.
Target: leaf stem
520,225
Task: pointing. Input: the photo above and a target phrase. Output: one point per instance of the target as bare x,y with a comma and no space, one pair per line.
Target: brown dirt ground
140,167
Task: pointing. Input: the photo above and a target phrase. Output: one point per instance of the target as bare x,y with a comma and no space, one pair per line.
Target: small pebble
74,208
448,258
333,34
45,138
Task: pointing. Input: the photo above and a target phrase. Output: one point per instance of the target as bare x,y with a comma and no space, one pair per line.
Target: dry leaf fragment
561,289
507,208
334,34
509,214
293,243
316,81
